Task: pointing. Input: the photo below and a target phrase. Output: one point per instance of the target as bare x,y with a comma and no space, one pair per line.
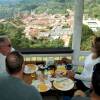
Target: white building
94,24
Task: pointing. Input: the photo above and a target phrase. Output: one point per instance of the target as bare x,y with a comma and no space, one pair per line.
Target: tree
15,34
46,43
87,37
20,41
97,33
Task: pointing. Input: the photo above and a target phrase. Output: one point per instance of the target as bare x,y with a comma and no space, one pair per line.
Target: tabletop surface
28,78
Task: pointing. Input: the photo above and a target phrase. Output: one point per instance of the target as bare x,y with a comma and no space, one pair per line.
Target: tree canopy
86,39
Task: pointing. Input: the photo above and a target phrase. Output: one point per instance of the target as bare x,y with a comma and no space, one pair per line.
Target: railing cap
64,50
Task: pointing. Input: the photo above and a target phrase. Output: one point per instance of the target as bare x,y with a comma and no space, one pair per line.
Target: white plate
28,70
63,84
48,84
42,67
52,78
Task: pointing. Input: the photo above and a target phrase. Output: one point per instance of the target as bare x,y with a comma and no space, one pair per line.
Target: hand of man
79,93
71,74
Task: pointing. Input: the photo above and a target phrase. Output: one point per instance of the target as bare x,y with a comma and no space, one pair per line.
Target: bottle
69,66
46,74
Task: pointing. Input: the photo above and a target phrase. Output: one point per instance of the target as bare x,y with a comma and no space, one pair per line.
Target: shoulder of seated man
80,98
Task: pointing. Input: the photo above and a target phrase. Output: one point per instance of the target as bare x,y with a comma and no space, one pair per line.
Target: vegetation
45,43
20,41
87,37
91,9
14,27
8,9
39,6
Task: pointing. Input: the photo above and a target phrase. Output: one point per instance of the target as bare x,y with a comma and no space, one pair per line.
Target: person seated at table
95,95
83,80
5,49
12,87
64,61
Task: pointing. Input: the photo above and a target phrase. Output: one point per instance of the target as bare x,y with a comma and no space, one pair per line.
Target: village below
38,28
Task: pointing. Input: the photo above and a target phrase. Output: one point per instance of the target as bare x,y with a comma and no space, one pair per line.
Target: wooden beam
77,30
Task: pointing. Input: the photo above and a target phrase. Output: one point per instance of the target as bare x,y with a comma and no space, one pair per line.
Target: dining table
29,78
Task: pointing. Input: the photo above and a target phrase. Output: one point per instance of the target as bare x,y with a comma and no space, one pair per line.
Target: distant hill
11,7
46,1
34,1
9,1
50,6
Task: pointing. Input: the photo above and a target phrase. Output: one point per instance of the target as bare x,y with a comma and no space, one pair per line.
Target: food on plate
63,84
59,85
42,87
31,66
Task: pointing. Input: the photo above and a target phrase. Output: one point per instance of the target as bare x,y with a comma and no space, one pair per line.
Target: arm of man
82,77
86,77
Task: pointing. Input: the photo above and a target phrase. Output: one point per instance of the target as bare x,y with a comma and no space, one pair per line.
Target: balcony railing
42,54
35,55
82,57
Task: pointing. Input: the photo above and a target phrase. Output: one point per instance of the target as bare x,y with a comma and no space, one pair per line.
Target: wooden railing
40,55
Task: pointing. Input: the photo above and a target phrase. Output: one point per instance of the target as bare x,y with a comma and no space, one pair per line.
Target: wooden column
77,30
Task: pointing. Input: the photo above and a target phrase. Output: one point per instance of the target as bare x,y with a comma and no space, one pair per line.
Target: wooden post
77,30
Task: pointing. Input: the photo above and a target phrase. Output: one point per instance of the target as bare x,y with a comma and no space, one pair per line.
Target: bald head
5,45
3,39
14,62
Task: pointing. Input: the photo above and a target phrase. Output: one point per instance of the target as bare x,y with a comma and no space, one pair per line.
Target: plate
63,84
42,86
42,67
52,79
30,68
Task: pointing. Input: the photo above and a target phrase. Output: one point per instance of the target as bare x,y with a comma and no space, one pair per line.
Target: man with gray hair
5,49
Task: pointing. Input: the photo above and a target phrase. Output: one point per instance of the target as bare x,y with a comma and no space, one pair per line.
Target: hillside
8,8
12,7
9,2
